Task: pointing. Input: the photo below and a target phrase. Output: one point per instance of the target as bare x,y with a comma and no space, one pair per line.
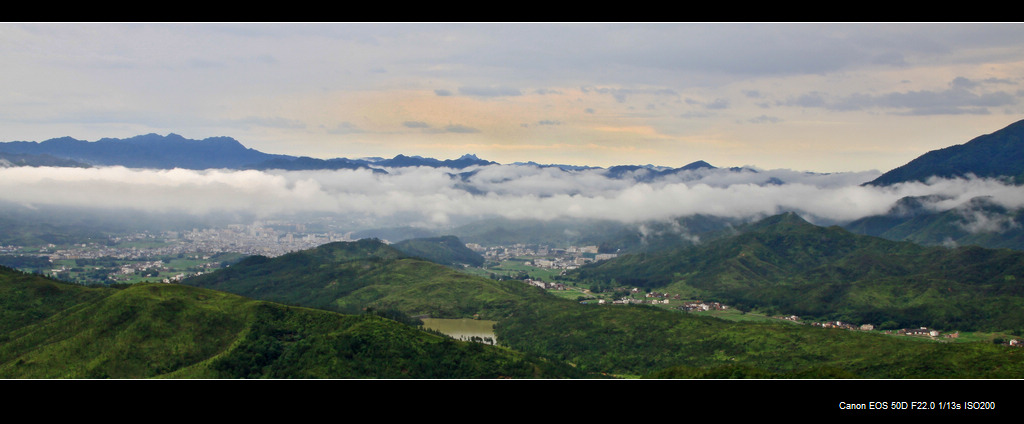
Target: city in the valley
171,256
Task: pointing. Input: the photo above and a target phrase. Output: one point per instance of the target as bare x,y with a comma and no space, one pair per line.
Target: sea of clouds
434,197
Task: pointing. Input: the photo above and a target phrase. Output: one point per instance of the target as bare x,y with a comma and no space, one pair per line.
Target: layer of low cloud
439,197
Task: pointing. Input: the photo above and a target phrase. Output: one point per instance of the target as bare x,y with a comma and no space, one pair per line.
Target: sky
813,109
821,97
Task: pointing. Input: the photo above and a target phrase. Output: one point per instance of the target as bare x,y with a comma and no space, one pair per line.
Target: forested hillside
350,276
59,330
785,265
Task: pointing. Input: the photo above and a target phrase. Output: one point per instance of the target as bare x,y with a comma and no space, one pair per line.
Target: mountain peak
783,221
996,155
697,165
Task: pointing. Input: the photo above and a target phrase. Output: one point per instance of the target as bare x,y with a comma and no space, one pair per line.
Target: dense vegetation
54,329
350,276
58,330
27,298
784,265
445,250
659,343
645,340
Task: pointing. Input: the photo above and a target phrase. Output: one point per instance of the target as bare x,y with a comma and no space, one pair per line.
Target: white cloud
432,197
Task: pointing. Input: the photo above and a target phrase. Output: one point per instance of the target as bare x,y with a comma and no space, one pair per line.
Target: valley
930,289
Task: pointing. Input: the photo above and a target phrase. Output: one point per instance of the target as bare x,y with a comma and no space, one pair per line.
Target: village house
545,285
838,324
703,306
923,331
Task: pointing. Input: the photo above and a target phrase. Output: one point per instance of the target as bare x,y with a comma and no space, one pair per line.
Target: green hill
445,250
27,298
178,331
175,331
638,340
350,276
785,265
659,343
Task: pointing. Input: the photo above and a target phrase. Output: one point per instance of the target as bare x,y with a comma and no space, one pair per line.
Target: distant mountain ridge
174,151
146,151
996,155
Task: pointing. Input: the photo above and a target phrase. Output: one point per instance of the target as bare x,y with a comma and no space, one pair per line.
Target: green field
515,268
99,270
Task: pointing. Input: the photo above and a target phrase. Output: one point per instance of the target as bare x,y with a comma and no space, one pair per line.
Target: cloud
980,221
489,91
415,124
346,128
459,129
964,96
717,104
621,94
765,119
431,196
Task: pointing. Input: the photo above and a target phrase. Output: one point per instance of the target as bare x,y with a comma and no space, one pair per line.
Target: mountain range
996,155
174,151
